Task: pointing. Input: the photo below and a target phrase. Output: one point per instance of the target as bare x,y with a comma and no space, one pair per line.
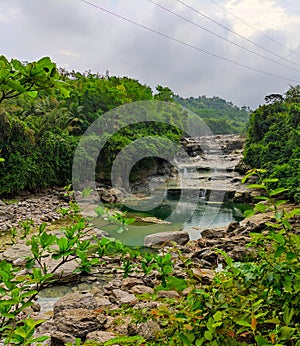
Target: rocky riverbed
88,314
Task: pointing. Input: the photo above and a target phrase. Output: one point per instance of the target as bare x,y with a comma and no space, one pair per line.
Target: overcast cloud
80,37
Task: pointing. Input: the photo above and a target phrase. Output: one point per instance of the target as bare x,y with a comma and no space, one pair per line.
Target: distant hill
221,116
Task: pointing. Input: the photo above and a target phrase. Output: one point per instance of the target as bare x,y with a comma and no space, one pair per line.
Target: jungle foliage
44,111
221,116
273,140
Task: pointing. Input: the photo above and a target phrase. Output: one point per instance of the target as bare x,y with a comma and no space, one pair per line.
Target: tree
18,78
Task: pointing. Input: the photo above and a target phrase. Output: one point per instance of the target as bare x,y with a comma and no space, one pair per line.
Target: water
204,214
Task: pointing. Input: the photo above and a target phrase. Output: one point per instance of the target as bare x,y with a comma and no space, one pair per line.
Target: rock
141,289
2,204
60,339
147,330
167,294
212,233
232,226
122,297
117,194
100,336
79,322
75,301
129,282
205,276
166,238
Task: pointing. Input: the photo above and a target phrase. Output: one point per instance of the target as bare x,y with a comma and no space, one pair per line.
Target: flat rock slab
166,238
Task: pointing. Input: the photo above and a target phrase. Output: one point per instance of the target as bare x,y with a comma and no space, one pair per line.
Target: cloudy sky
243,39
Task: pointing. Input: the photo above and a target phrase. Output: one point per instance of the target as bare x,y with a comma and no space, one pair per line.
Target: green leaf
288,315
32,93
256,186
286,332
270,180
263,198
217,316
279,251
208,335
167,269
243,323
260,207
279,238
249,213
277,191
261,341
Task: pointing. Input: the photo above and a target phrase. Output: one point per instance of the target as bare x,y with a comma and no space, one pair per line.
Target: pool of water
186,215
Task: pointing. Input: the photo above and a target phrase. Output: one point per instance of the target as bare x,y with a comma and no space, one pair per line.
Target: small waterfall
185,172
202,193
165,193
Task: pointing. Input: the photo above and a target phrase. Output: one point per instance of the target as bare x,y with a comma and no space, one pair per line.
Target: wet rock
166,238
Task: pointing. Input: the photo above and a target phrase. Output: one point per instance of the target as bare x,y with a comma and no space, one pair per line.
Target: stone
129,282
142,289
167,294
205,276
75,301
166,238
122,297
102,302
147,330
79,322
100,336
60,339
232,226
212,233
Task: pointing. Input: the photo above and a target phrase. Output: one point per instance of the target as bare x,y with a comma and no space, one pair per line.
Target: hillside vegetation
221,116
273,140
44,112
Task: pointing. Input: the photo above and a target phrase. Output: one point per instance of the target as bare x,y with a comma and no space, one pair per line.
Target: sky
238,50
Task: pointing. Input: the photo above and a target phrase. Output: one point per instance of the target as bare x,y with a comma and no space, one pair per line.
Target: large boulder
79,322
166,238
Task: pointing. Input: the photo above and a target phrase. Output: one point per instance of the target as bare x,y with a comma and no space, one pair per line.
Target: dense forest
40,130
273,140
221,116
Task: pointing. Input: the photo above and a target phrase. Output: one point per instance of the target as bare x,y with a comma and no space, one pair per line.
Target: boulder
166,238
79,322
75,301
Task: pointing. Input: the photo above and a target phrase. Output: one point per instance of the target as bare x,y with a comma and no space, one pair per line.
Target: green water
205,215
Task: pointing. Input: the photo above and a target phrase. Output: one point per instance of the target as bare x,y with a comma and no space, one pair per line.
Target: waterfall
202,193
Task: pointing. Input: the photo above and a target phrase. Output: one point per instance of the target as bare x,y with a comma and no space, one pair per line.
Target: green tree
18,78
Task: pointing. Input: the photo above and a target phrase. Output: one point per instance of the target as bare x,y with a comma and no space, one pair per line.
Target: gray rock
166,238
122,297
60,339
100,336
79,322
167,294
75,301
128,283
148,330
142,289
